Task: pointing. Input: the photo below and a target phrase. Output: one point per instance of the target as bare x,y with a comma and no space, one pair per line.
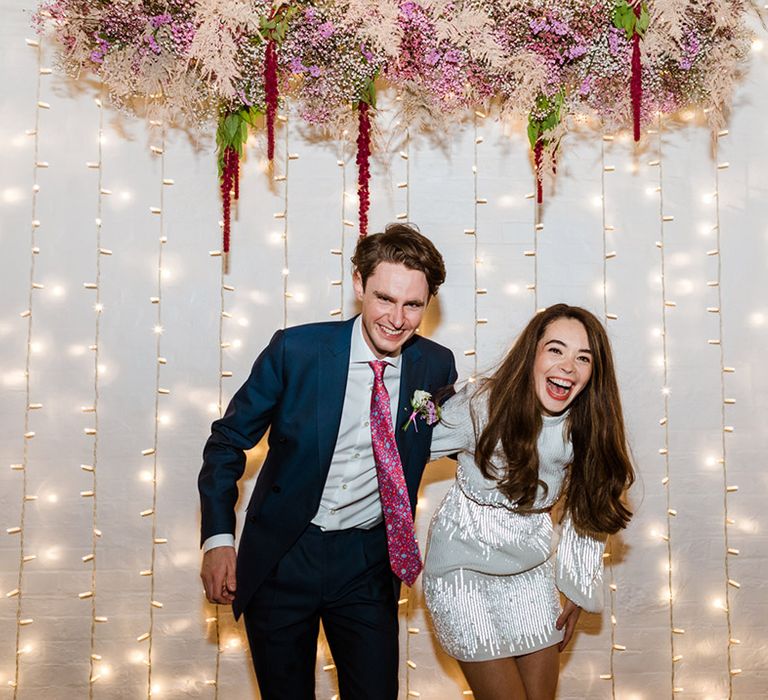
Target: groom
329,527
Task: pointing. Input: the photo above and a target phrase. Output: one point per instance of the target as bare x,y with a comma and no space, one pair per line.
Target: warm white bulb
11,195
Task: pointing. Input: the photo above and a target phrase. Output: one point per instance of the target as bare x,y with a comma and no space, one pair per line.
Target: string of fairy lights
156,131
283,215
730,584
96,668
477,139
607,255
538,227
407,599
666,305
29,406
223,267
343,225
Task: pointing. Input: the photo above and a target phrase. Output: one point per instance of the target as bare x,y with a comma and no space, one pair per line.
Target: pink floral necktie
404,557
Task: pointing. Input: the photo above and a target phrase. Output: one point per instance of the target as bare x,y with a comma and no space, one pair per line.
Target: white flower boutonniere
422,405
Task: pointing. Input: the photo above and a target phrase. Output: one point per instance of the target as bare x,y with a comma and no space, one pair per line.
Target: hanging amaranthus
367,101
543,118
273,29
634,19
271,90
231,136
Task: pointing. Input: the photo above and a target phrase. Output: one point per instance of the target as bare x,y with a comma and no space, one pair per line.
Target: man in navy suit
314,546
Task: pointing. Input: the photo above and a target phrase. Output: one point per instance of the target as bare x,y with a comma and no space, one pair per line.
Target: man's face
394,300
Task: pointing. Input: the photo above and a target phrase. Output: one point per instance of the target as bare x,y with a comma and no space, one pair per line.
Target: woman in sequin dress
546,427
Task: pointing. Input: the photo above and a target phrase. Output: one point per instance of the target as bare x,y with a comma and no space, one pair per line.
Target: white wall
57,522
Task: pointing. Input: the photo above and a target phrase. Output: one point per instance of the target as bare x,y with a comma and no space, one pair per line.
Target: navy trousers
344,579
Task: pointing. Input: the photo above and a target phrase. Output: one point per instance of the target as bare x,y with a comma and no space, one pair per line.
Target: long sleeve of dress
579,567
454,433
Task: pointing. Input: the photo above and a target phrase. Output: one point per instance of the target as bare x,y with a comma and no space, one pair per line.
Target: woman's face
563,364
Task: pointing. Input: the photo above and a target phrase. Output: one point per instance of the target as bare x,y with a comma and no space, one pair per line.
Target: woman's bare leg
498,679
539,671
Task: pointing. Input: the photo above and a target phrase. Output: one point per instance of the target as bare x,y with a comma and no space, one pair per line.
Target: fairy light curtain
112,262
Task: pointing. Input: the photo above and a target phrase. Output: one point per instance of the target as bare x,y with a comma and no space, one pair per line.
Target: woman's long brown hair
601,470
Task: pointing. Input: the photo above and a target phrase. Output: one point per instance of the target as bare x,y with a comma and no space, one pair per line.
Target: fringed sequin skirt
478,617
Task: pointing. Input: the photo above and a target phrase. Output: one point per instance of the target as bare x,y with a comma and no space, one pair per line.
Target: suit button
275,489
252,519
282,439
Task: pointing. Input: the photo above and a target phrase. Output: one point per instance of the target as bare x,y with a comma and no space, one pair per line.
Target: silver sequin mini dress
492,576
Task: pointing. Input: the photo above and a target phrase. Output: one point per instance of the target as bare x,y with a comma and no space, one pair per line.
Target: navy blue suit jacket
296,389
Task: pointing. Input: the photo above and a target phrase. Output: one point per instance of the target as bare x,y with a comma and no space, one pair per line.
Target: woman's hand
567,622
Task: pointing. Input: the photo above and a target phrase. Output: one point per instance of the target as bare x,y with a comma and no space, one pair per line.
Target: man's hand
218,574
567,620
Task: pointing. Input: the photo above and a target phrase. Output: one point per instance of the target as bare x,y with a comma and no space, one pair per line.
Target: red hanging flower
229,183
632,16
363,165
270,87
542,120
636,82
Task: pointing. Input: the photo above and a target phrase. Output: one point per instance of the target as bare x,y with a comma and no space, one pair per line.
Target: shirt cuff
223,540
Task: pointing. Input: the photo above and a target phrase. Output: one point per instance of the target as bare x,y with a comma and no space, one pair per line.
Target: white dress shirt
351,494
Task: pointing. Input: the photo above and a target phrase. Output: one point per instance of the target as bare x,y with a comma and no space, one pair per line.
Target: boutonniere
422,405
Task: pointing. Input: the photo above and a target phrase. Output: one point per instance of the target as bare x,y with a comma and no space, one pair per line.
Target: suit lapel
410,378
333,364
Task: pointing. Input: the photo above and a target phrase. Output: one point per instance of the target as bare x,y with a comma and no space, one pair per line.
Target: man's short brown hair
400,243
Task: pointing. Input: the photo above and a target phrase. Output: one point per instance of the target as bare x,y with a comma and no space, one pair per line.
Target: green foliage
276,27
624,18
368,93
232,131
545,116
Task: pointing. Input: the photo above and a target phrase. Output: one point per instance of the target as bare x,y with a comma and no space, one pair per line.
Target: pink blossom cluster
444,73
326,63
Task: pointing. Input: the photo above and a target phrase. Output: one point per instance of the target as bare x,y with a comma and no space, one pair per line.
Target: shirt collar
359,351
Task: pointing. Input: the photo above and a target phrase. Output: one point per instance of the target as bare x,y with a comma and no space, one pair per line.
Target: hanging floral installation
232,62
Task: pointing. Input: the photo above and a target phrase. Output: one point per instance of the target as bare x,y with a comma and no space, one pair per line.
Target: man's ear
357,283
